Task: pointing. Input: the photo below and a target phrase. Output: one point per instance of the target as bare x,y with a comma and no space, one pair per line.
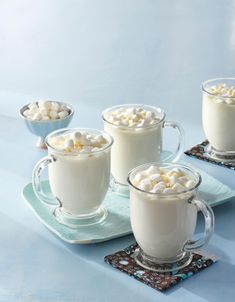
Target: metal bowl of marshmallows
43,117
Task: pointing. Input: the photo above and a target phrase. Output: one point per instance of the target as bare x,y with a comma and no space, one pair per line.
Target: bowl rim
23,108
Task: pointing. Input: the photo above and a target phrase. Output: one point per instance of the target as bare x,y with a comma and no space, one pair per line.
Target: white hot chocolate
80,175
162,219
137,134
218,116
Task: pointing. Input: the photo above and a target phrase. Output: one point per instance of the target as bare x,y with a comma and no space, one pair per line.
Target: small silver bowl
42,128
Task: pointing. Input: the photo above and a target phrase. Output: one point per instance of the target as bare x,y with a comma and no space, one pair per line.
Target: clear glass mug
164,224
78,181
218,117
139,145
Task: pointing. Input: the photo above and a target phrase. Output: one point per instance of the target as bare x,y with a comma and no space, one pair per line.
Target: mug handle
36,181
179,149
209,225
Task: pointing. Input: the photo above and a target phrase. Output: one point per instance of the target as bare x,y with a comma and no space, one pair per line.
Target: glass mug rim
167,164
210,81
154,108
63,130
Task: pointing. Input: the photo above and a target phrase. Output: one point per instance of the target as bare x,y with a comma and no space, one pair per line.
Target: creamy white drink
137,134
79,177
218,114
79,173
163,212
162,221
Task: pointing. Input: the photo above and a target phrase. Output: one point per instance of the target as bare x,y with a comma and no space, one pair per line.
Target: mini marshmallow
183,179
138,177
152,169
33,106
173,180
132,117
76,135
37,116
68,143
63,114
44,105
157,190
178,187
189,184
55,106
164,181
49,109
53,115
77,142
156,177
100,139
145,185
160,186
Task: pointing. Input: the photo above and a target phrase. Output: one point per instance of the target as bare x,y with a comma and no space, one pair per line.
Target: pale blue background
93,54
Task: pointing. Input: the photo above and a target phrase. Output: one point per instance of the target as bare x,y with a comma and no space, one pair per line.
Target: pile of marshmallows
79,142
222,90
132,117
162,180
45,110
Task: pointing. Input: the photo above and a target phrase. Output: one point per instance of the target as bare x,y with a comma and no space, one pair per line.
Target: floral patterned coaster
124,261
199,151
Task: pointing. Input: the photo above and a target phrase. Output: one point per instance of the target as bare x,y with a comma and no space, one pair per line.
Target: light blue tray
117,224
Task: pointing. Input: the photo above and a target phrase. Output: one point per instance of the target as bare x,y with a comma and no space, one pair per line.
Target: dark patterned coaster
199,151
124,261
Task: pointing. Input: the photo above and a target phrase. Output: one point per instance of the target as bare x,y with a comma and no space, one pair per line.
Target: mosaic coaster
124,261
199,151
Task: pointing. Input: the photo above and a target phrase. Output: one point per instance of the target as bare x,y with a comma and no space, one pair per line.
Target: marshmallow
178,187
162,180
222,90
132,117
45,110
37,117
85,141
160,186
68,143
53,115
145,185
155,177
79,142
63,114
152,169
138,177
157,190
76,135
189,184
55,106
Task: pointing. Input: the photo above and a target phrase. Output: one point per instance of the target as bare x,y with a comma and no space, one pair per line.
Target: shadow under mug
164,224
218,117
134,146
78,181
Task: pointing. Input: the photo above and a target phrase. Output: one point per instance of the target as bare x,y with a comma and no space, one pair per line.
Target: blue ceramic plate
117,224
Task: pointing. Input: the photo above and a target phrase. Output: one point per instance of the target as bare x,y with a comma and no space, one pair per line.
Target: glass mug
218,116
138,145
78,181
164,224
